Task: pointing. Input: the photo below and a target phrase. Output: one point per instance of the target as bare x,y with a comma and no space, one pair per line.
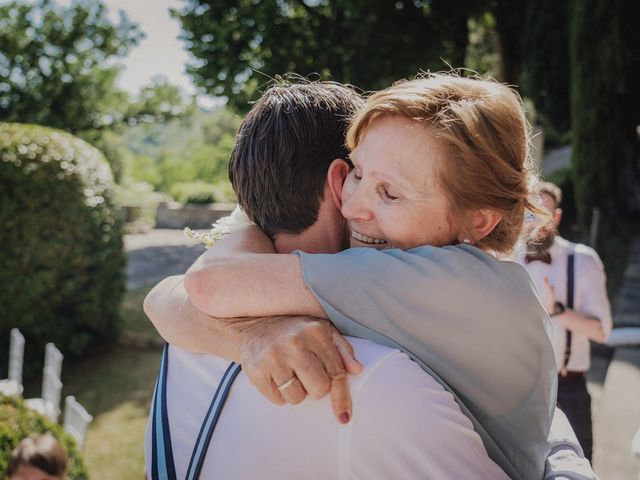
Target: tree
509,16
53,64
57,69
240,44
605,108
190,149
545,75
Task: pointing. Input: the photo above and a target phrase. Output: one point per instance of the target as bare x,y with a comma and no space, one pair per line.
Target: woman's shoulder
469,258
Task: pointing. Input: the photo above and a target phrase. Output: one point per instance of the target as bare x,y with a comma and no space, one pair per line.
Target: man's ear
338,171
483,222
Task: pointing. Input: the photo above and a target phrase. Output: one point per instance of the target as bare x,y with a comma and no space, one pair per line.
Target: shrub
18,422
193,192
61,234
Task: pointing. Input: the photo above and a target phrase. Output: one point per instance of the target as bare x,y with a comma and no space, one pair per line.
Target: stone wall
178,215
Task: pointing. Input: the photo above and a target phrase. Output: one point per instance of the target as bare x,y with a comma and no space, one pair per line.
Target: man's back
404,425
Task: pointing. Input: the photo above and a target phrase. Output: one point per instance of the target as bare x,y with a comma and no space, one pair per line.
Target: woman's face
390,198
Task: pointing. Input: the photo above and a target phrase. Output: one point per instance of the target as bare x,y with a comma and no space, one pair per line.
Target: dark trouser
574,400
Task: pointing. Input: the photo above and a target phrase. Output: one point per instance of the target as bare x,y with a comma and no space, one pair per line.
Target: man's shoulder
580,249
194,368
393,383
400,409
586,256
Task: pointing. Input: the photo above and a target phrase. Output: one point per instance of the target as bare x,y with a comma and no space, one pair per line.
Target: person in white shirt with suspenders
572,283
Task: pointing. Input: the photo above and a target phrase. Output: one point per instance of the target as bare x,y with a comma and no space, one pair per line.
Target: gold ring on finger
287,384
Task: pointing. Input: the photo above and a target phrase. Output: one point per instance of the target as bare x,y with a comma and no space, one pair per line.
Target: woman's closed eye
387,195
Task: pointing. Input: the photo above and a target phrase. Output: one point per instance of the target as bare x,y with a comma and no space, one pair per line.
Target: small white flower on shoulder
221,227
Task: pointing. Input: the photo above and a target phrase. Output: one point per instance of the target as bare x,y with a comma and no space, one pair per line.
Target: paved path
556,159
157,254
614,378
616,400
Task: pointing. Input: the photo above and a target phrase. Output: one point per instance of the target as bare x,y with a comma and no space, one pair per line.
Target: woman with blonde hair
439,186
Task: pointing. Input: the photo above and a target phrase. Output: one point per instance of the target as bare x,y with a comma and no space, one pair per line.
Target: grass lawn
134,318
115,385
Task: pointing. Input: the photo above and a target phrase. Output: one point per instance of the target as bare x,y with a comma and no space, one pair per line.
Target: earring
467,241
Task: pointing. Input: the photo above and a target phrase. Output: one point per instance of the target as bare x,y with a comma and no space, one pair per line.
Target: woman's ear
483,222
338,171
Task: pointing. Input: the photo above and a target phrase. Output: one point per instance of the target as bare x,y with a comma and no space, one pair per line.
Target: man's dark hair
283,150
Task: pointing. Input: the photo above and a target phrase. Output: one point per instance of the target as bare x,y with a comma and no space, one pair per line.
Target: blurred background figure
571,281
38,458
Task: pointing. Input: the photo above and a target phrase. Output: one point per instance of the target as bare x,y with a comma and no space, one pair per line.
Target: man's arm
592,316
578,323
181,324
227,281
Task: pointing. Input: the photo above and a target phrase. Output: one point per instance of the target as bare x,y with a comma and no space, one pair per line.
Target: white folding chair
49,404
76,420
53,359
13,384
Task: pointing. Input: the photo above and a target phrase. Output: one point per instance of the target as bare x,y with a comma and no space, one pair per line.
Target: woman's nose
357,206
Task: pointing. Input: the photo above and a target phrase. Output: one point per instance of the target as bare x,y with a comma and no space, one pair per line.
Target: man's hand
301,355
572,320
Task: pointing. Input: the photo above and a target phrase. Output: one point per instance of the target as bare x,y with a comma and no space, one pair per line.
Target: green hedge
18,422
193,192
62,255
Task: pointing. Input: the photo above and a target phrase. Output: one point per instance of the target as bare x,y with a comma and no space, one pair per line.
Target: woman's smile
362,238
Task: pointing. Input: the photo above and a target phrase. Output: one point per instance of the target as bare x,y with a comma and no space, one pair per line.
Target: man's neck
307,241
326,235
321,237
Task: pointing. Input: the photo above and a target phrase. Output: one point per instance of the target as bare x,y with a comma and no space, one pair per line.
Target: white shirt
590,296
404,425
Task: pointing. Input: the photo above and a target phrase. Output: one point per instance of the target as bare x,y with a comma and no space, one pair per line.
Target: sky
160,52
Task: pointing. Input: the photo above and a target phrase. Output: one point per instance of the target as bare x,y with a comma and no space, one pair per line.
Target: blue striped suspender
210,421
570,291
162,466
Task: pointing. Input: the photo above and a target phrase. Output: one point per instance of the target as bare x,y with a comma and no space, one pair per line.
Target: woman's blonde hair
482,123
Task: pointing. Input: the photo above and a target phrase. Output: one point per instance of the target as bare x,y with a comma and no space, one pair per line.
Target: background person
579,309
38,457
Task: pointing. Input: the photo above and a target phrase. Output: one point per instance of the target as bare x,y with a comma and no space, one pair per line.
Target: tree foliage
605,108
546,67
194,148
240,44
54,63
57,68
